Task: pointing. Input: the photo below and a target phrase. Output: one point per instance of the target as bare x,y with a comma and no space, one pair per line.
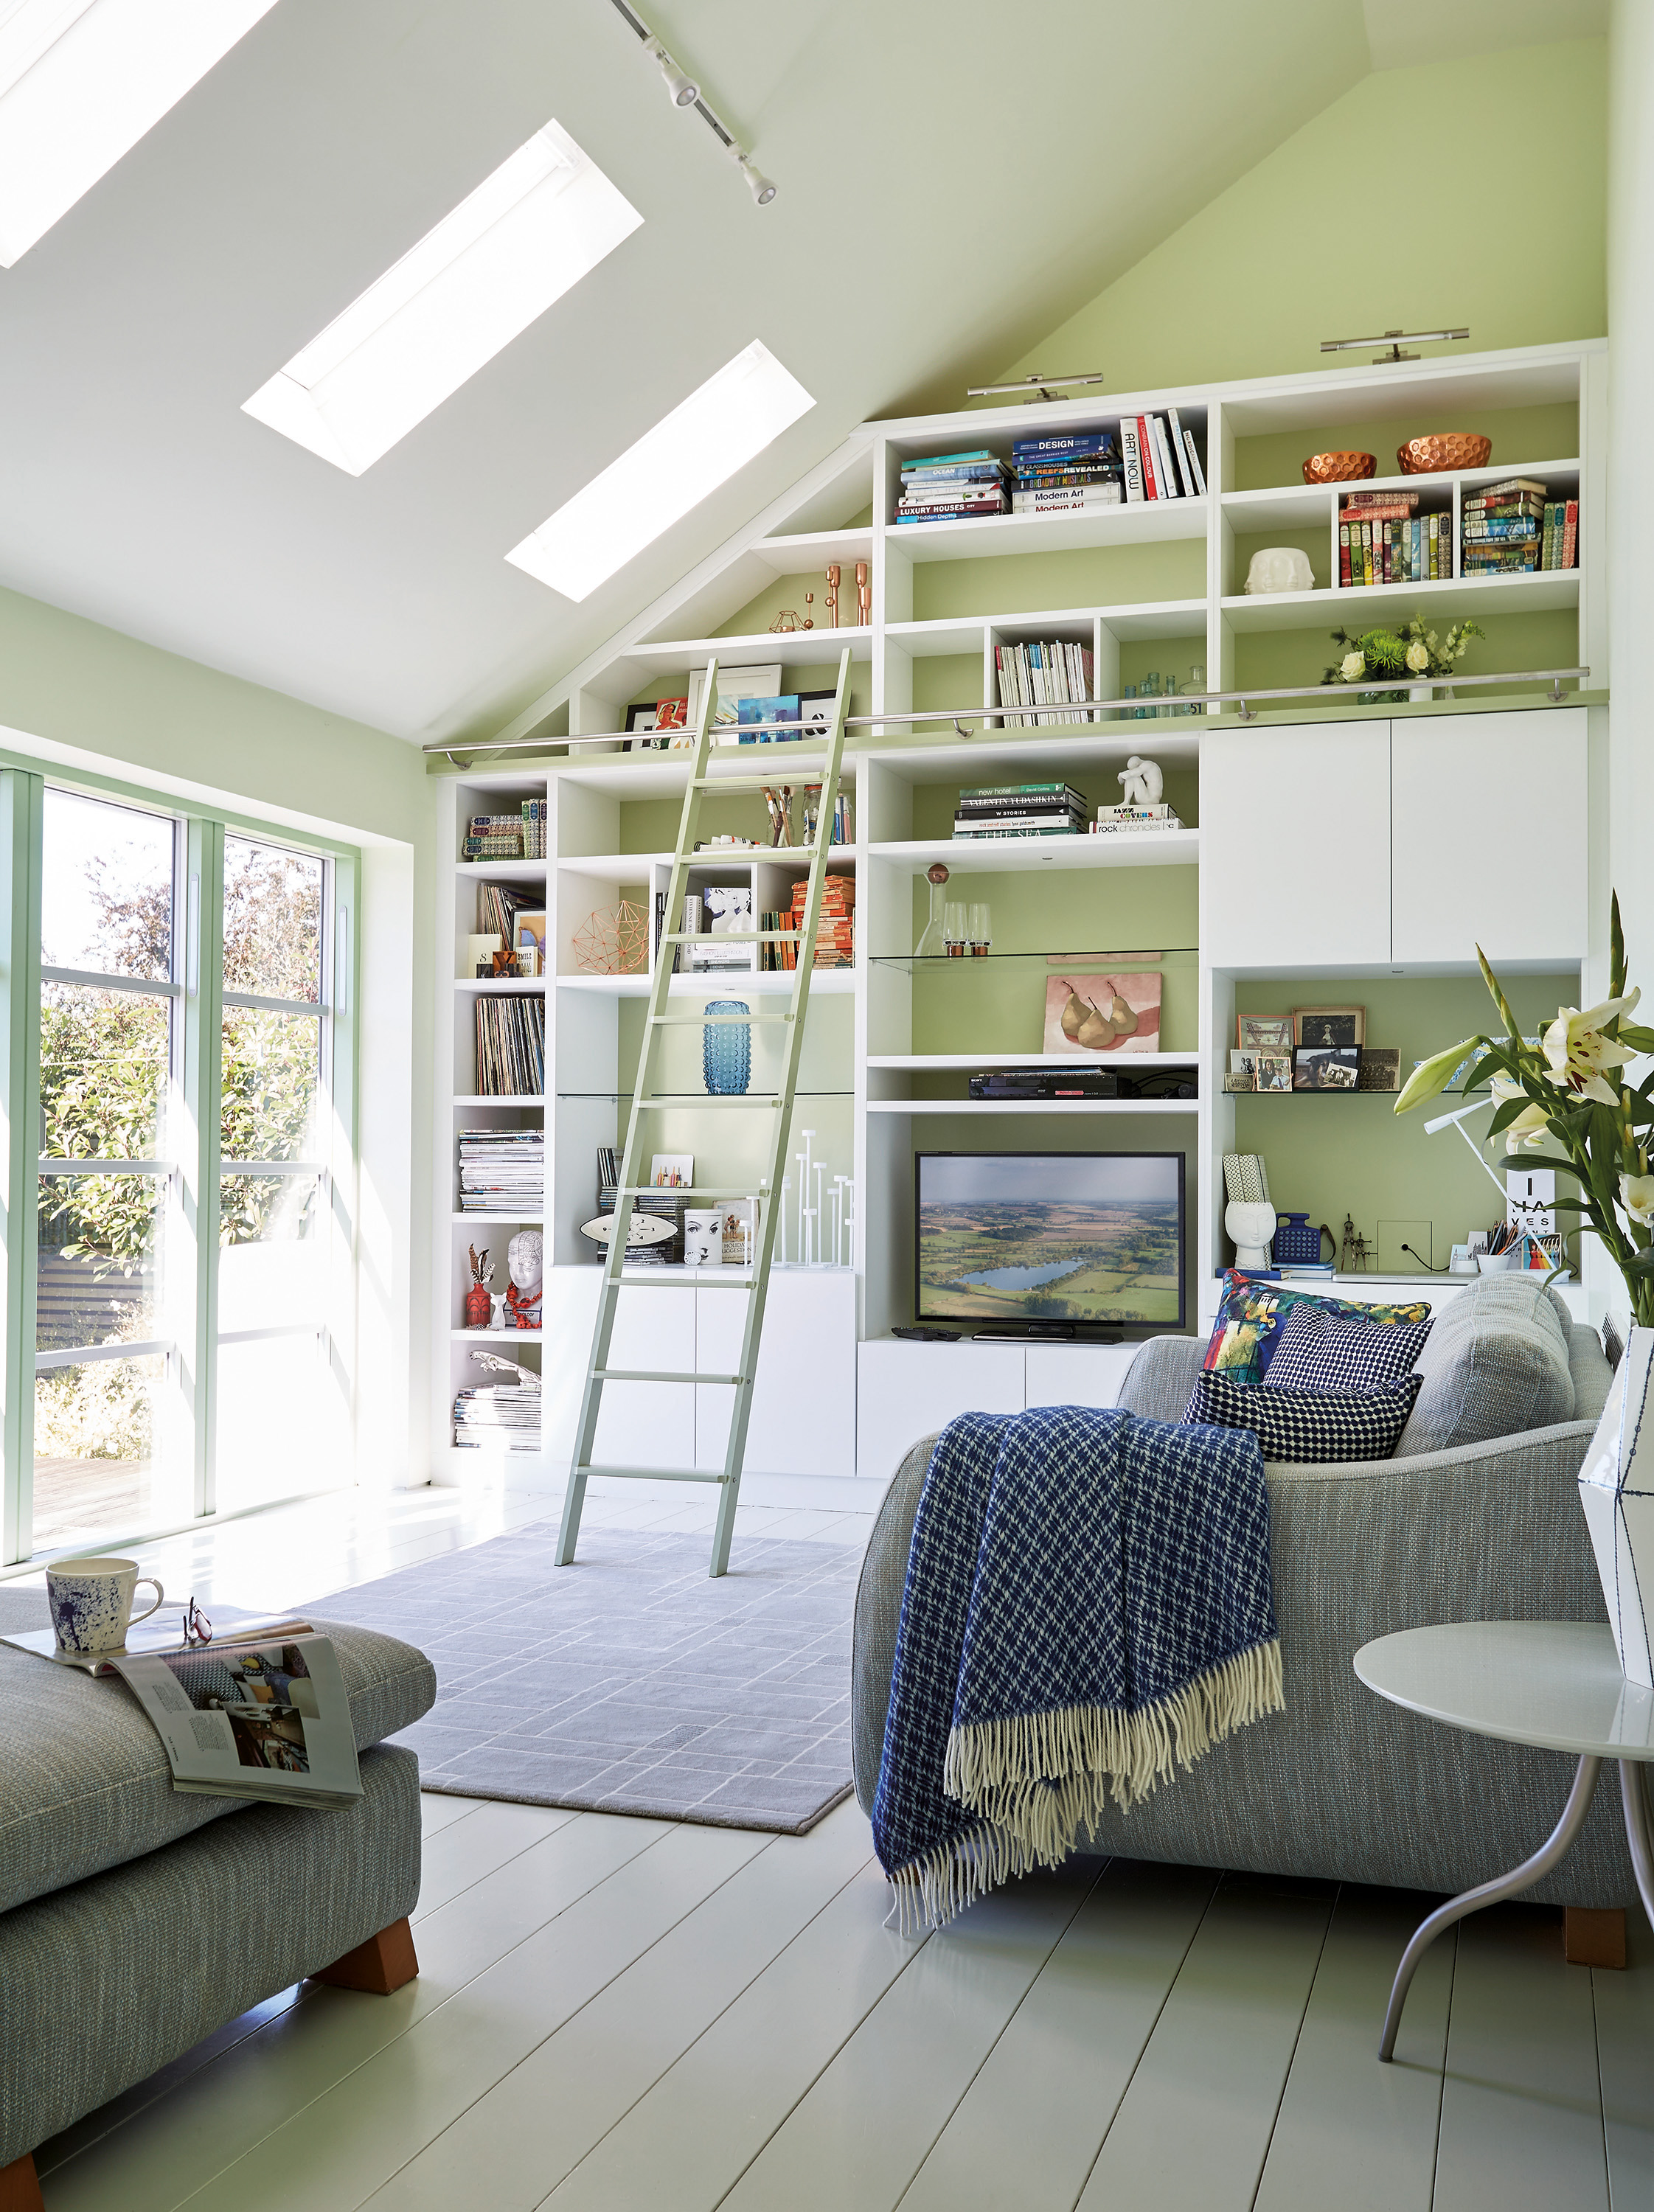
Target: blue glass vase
727,1048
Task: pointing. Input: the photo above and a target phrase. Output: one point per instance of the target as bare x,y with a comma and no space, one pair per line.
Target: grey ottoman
135,1921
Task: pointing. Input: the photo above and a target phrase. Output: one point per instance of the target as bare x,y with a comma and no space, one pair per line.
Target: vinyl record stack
1066,473
502,1172
510,1047
953,488
1020,810
835,932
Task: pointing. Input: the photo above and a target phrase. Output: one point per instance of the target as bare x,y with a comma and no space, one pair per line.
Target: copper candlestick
832,595
863,594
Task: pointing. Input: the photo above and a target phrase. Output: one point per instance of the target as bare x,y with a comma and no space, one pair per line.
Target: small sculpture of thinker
1142,783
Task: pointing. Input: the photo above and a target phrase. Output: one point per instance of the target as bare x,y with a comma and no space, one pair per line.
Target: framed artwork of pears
1088,1014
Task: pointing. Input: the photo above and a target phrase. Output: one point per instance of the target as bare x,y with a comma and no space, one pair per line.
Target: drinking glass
982,927
953,927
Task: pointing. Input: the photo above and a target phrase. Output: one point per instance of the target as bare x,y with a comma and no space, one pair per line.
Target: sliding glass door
176,1072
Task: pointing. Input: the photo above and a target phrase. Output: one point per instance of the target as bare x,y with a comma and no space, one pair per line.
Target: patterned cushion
1308,1426
1251,1315
1316,1353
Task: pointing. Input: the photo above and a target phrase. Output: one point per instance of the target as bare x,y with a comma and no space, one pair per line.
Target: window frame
192,1146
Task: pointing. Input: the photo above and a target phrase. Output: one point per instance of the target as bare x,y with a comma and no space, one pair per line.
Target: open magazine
261,1711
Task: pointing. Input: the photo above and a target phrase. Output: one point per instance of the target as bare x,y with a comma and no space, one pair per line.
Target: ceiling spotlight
756,183
683,88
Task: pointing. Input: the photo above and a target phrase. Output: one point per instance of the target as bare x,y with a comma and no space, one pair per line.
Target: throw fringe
1038,1781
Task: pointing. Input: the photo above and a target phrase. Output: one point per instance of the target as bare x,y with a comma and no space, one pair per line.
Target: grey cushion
1495,1365
84,1782
102,1983
1589,1365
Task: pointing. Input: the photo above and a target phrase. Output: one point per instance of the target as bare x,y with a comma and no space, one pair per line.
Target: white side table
1554,1683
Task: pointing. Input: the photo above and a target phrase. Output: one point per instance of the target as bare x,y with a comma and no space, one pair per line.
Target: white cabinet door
803,1420
641,1424
1295,846
1077,1374
1490,836
906,1391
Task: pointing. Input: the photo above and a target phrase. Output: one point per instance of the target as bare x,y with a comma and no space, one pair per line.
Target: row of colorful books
507,837
510,1046
1067,473
1516,526
1020,810
953,488
1150,456
1384,539
836,929
1049,673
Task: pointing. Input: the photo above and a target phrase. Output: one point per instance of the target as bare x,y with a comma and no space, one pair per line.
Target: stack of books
510,1046
836,931
1510,528
497,1417
502,1172
519,836
1111,819
1384,539
1050,674
953,488
1159,457
1059,474
1020,810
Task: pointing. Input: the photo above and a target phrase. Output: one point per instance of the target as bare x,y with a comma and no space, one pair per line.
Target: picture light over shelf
1393,340
1036,386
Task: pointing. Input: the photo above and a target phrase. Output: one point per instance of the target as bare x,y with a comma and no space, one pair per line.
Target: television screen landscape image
1087,1237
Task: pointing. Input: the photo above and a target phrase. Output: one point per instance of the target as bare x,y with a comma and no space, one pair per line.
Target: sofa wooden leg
20,2186
1593,1938
385,1962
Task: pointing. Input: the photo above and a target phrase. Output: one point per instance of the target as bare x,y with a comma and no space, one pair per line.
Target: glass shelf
691,1099
915,964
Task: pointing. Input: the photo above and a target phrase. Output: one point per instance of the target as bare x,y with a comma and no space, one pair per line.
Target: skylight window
521,240
83,80
671,469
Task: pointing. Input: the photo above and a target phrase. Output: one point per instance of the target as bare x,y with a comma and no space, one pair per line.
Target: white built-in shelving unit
875,1095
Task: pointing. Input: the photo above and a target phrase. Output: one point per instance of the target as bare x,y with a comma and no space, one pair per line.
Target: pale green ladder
645,1100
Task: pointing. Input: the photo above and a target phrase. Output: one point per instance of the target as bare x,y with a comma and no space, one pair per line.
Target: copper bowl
1449,449
1340,468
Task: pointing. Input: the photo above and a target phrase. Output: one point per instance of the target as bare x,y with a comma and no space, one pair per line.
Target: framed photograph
647,723
1243,1082
671,1170
1272,1071
1330,1028
1264,1032
1086,1015
528,942
734,685
1326,1068
1380,1068
816,712
778,707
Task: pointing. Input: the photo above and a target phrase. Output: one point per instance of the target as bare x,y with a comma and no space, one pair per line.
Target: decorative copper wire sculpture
613,941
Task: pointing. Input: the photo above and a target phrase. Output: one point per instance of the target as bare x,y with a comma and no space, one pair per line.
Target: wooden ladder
646,1100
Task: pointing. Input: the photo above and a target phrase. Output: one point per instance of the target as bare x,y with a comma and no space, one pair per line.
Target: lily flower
1530,1126
1579,1052
1637,1196
1433,1075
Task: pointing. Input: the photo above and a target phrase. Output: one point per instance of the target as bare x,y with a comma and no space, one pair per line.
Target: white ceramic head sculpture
1141,783
1251,1225
1279,568
525,1260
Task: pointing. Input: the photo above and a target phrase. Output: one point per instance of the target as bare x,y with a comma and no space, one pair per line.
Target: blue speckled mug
91,1602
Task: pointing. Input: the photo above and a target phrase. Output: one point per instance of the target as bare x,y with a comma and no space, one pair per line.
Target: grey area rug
631,1681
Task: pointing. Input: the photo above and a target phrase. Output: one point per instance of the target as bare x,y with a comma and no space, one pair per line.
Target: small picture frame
734,685
671,1170
816,713
1330,1028
648,721
1380,1068
1264,1032
1272,1071
1326,1068
528,940
1243,1081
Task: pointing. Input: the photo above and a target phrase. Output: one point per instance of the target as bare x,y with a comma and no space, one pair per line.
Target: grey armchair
1458,1526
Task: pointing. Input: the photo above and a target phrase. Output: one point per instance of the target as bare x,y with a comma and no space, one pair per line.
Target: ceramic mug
91,1602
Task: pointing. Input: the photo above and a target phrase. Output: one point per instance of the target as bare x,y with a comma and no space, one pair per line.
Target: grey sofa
135,1920
1476,1518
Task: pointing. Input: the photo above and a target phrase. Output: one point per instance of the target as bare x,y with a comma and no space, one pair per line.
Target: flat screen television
1093,1239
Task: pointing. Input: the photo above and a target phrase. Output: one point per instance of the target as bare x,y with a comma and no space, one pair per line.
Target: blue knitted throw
1088,1598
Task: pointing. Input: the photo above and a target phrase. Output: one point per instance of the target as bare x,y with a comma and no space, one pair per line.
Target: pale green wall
1423,197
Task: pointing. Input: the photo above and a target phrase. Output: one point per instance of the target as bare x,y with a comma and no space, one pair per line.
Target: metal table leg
1634,1798
1550,1854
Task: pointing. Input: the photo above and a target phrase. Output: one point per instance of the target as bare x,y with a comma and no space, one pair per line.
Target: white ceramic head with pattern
91,1602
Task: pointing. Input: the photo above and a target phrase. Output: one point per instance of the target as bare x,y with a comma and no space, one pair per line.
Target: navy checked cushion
1319,1352
1309,1425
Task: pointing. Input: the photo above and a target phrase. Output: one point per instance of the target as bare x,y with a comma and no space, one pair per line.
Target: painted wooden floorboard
709,2115
1193,2129
339,2147
1351,2132
863,2130
514,2144
1521,2120
436,1813
1624,2007
1027,2129
172,2147
457,1858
